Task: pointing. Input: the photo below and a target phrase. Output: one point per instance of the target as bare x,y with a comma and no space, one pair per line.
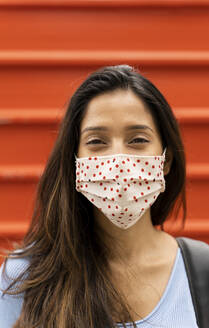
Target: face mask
122,186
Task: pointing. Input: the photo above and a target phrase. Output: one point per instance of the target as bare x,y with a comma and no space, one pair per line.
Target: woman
93,256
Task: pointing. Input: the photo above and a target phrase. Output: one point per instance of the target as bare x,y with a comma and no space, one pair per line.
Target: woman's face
118,122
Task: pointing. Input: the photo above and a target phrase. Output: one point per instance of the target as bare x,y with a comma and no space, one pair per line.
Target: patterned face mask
122,186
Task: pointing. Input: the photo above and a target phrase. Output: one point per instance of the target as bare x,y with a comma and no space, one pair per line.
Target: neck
136,242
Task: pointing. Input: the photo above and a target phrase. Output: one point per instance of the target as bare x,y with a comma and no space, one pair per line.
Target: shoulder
11,305
10,269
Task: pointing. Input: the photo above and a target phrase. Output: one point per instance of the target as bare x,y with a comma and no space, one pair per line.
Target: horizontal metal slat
198,171
48,87
77,28
105,57
30,116
104,3
53,115
196,228
15,229
21,173
192,115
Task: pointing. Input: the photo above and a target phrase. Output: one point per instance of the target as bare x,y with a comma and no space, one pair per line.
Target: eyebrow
128,128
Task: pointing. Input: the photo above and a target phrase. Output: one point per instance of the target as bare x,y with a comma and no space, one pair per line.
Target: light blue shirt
174,310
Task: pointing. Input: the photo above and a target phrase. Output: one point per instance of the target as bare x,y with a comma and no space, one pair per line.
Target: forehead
119,106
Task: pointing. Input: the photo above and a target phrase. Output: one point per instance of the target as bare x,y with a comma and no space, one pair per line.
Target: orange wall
48,47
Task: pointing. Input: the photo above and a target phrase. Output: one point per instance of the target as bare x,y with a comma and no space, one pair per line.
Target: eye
94,141
139,140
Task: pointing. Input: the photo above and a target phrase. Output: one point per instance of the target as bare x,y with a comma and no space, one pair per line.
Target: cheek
158,145
79,149
82,151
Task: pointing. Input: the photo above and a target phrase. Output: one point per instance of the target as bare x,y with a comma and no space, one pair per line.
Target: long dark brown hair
67,281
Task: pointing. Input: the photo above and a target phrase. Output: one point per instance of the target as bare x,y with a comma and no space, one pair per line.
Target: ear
168,161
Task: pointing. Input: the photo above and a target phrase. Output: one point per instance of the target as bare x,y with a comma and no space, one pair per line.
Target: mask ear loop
75,158
164,152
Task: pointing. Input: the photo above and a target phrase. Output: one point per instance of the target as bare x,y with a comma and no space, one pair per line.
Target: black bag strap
196,259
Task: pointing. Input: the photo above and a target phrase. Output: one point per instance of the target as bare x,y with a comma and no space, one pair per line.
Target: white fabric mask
122,186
